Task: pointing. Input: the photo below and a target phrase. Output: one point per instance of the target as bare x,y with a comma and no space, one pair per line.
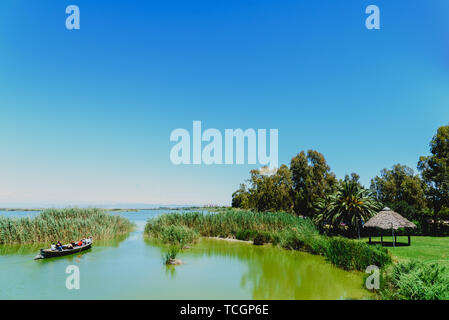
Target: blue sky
86,115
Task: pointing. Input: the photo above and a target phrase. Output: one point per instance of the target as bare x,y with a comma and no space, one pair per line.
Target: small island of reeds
63,225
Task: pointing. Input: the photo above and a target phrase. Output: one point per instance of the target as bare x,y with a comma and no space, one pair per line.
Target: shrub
176,235
245,235
294,240
171,254
415,280
262,237
355,255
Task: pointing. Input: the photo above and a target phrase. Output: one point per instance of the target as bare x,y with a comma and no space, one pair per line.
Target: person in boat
80,243
58,246
53,247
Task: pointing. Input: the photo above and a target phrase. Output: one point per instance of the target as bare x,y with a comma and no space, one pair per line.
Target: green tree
435,172
401,189
312,180
271,192
353,177
240,198
350,205
268,191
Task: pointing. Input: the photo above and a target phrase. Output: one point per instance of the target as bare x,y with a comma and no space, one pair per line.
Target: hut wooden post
409,238
381,237
392,230
369,233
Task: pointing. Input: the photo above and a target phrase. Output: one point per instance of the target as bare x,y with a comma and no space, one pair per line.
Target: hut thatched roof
388,219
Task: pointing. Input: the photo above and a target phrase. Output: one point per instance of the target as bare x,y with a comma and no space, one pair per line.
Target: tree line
309,188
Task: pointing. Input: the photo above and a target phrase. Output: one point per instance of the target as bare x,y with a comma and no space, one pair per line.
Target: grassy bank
279,228
62,225
423,248
420,272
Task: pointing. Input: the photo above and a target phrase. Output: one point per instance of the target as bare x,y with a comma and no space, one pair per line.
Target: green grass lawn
429,249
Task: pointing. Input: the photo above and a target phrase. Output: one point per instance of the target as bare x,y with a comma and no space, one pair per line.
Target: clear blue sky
86,115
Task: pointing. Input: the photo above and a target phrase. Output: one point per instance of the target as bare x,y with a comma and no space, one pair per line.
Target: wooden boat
48,253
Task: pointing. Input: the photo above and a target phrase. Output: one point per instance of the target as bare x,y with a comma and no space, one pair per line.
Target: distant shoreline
124,210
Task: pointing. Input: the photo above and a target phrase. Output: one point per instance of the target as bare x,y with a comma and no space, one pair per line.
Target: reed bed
63,225
243,225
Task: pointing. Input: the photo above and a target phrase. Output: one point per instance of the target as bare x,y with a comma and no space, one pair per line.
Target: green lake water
131,267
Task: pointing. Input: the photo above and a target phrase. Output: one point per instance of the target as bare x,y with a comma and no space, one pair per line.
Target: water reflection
274,273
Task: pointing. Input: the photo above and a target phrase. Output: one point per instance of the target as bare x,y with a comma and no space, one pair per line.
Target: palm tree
351,204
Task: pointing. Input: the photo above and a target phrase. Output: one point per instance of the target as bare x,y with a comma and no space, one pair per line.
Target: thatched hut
387,219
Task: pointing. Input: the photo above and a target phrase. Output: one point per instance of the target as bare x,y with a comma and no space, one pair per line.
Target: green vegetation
421,271
350,205
172,234
176,236
267,192
312,180
435,173
309,188
416,280
171,254
279,228
232,223
349,254
423,248
400,189
62,225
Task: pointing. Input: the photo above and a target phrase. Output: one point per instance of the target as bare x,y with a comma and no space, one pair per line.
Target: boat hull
48,253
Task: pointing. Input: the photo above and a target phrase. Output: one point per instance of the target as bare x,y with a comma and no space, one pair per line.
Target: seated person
80,243
53,247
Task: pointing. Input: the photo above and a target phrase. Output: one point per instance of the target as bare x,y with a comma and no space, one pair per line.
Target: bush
245,235
415,280
262,237
176,235
291,240
355,255
171,254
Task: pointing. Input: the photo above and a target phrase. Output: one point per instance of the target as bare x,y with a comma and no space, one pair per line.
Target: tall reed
62,225
232,223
